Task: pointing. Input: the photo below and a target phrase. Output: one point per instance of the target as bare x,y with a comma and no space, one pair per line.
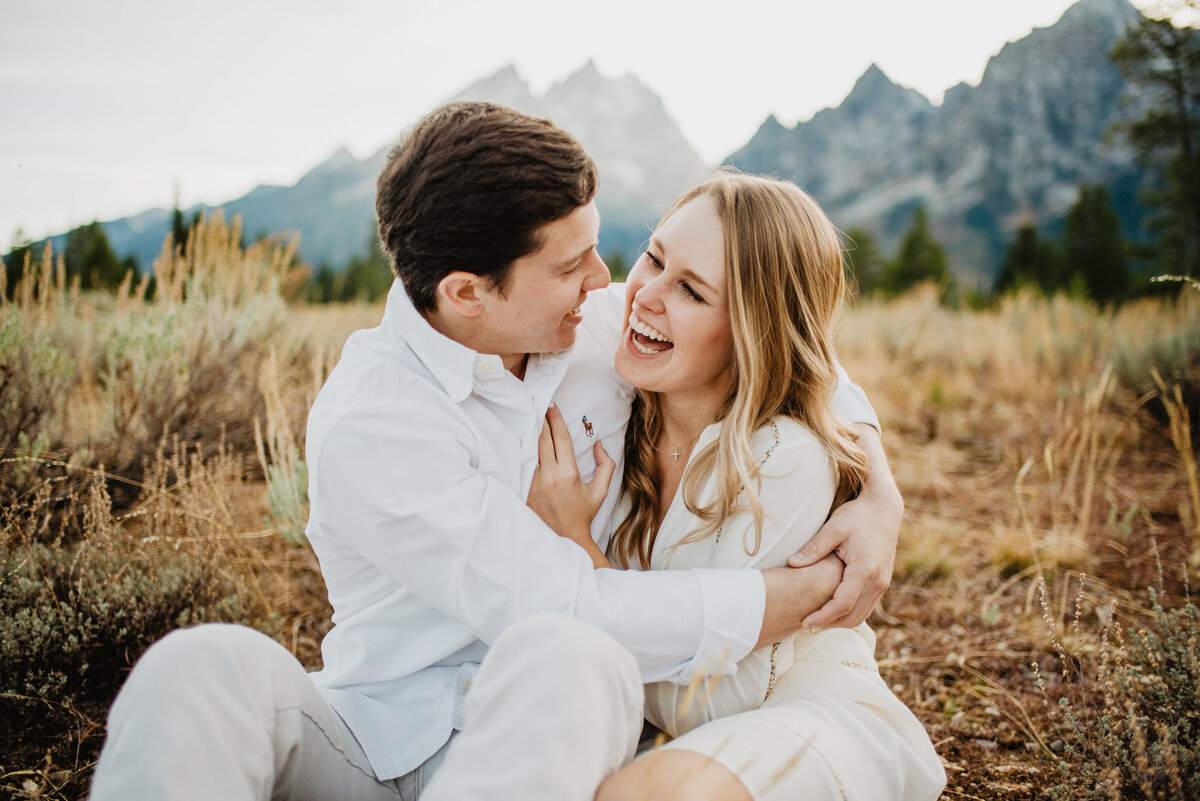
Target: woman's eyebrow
695,278
687,272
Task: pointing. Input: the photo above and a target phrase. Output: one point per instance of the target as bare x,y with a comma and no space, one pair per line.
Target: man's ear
461,292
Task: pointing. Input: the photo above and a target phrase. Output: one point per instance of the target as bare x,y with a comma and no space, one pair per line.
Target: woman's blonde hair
786,286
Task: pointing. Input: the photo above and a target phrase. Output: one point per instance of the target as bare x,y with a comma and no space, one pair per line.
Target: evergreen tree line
87,255
89,258
1090,259
365,277
920,258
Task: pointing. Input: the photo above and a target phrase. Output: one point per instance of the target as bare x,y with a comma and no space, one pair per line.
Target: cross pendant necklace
675,451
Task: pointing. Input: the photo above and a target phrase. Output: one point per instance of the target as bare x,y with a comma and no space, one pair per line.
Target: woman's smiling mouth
646,338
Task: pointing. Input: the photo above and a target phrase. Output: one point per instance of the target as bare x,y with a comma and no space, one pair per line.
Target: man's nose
598,275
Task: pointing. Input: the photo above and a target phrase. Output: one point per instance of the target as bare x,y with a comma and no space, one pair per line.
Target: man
466,634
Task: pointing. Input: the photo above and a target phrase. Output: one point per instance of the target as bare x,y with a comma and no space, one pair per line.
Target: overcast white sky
106,107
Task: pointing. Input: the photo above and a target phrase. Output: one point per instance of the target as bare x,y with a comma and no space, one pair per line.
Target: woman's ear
462,293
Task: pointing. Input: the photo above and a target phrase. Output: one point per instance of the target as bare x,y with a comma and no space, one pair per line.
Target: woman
735,458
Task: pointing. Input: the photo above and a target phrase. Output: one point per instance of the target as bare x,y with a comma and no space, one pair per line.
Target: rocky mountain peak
1015,147
771,125
587,75
1118,13
639,149
874,92
341,158
504,86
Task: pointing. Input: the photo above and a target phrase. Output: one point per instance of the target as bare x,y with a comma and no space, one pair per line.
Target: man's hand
863,533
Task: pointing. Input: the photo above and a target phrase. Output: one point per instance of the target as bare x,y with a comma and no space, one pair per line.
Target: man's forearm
793,593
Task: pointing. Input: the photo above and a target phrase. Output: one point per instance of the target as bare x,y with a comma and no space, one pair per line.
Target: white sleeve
408,496
851,403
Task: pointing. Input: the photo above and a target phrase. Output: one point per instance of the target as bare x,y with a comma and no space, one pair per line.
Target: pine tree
1163,62
864,263
1093,248
88,255
921,257
1030,260
365,277
14,260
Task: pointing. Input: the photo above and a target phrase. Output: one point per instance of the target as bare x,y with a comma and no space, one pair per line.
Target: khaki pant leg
225,712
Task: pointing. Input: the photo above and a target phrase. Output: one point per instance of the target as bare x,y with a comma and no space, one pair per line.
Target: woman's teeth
646,339
645,330
643,349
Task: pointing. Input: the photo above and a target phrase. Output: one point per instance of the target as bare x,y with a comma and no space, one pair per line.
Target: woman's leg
673,775
810,746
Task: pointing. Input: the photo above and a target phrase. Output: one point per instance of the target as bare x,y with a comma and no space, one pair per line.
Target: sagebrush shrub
1134,718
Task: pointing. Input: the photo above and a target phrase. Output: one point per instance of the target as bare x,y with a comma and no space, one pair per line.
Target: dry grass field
1040,621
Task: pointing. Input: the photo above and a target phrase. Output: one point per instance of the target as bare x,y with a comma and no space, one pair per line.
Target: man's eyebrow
573,259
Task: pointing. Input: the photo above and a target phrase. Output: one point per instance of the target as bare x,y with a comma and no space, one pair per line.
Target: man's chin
563,339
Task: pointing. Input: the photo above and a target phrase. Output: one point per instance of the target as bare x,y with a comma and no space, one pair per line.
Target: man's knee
189,659
199,646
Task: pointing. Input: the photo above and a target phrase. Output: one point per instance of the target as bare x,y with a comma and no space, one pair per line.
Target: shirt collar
454,365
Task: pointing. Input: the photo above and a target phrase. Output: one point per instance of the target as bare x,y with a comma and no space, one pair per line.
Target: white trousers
224,712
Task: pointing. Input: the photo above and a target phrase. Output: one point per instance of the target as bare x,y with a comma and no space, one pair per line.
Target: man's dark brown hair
468,188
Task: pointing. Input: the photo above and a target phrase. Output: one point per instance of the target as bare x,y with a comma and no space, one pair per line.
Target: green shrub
1135,719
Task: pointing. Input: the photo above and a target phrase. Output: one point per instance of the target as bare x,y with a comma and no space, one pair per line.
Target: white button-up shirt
420,454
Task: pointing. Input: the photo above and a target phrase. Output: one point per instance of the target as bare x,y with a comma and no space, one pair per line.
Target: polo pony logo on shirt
587,426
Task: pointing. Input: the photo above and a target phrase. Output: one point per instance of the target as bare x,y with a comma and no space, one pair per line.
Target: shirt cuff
733,605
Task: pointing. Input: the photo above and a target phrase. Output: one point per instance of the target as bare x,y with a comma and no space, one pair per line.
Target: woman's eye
691,293
655,262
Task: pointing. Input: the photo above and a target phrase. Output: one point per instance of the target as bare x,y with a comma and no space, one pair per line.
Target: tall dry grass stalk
280,449
1179,418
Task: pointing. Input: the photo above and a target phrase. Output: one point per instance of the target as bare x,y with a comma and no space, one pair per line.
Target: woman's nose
650,295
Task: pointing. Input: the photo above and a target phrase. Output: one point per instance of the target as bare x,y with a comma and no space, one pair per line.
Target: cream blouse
797,491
